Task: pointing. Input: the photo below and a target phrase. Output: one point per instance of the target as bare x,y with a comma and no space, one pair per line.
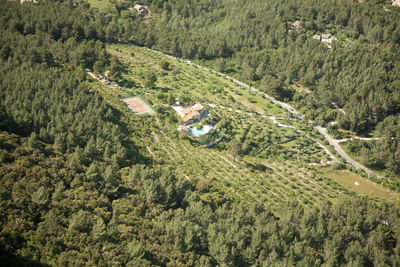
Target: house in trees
298,26
327,38
34,1
141,9
317,37
191,118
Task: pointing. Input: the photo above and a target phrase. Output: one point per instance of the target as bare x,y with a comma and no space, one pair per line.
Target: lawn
100,4
358,183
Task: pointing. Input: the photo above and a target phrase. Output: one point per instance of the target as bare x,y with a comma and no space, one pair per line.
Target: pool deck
178,110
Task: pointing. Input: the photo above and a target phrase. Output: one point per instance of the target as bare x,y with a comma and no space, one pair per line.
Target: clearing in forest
358,184
281,158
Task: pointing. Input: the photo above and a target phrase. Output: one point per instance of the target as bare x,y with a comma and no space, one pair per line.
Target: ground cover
101,4
358,184
249,178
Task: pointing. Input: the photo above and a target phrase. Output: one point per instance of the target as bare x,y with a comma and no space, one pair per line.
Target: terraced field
190,81
281,163
250,178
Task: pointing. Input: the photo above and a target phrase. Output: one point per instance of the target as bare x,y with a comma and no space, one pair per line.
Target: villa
190,120
192,114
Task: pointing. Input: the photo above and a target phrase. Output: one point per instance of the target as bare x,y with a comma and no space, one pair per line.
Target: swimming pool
205,130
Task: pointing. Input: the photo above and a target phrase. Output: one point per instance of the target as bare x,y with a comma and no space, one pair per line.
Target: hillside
241,115
345,55
94,172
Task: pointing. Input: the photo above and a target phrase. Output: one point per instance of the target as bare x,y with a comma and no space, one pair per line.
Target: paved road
323,131
335,144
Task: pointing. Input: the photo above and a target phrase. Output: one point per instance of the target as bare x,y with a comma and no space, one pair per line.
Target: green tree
33,141
136,249
164,64
221,64
149,79
235,148
110,177
80,221
170,99
41,196
99,229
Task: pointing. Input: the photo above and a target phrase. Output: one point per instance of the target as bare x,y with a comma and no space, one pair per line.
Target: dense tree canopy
76,190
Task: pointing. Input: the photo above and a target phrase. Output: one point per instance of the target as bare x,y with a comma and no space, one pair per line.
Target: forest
78,188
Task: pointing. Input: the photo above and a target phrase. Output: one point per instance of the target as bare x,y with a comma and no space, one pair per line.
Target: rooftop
191,114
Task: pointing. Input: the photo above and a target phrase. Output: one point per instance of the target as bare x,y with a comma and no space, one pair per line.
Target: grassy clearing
358,184
100,4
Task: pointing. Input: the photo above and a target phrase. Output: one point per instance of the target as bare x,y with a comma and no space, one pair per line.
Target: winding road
335,144
323,131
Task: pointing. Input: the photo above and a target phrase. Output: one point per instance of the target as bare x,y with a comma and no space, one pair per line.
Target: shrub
338,166
164,64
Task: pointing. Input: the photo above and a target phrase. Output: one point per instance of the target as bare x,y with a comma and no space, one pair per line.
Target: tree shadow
258,167
230,70
163,89
10,259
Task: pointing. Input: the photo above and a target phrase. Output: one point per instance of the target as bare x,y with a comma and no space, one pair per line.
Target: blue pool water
194,131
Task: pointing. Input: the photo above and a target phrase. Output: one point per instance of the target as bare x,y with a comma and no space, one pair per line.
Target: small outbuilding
141,9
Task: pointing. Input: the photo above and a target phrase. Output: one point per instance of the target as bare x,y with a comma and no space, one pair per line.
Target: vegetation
359,72
84,181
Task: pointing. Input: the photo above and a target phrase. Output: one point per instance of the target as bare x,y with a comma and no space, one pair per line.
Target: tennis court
139,106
